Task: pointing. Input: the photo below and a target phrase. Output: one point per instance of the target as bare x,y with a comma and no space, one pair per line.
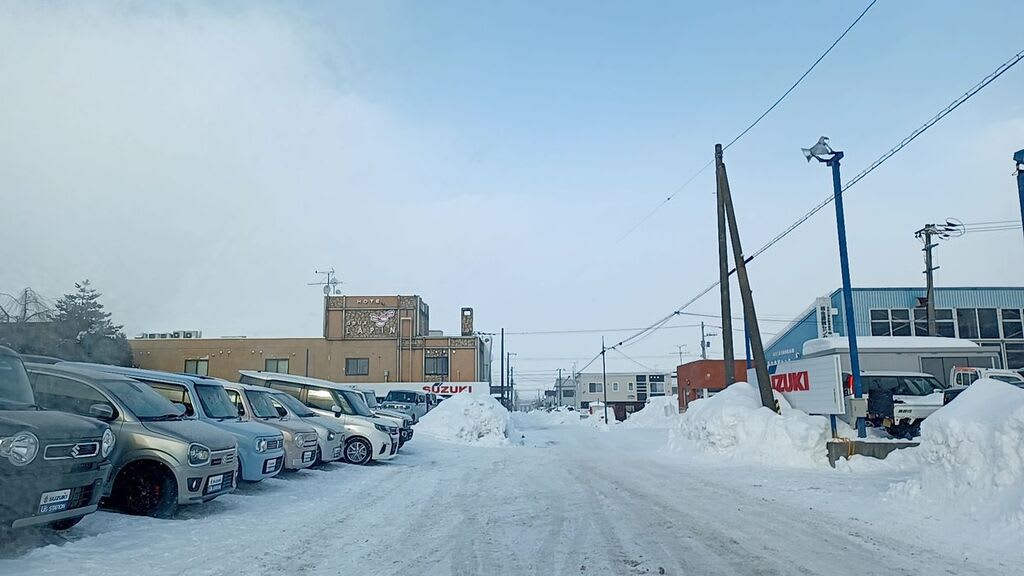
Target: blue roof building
992,317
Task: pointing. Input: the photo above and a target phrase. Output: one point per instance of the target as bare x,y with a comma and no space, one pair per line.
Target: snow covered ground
571,499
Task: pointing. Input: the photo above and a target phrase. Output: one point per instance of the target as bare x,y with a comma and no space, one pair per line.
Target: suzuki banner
813,385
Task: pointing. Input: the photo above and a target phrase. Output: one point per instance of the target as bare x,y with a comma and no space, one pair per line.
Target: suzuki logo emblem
74,451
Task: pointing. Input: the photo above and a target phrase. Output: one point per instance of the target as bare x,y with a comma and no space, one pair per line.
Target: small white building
627,391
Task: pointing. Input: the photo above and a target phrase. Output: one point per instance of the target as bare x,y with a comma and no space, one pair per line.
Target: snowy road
572,501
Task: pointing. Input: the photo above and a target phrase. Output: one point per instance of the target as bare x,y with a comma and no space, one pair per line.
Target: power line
775,104
956,103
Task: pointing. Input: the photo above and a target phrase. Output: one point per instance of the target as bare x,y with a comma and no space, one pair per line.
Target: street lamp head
818,150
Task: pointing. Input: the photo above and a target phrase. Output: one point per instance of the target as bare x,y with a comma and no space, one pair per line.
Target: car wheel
147,491
358,451
65,523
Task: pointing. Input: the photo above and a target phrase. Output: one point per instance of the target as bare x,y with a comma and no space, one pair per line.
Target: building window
630,386
1014,355
615,386
657,387
595,387
880,323
988,323
967,322
279,365
894,322
357,366
1012,328
435,366
945,323
584,404
568,393
641,378
200,367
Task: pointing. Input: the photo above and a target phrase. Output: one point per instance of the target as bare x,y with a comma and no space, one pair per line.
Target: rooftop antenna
330,282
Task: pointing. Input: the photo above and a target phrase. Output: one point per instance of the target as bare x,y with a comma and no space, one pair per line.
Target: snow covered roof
841,343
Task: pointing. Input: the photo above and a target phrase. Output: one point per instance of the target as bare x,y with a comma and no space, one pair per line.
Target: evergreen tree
86,331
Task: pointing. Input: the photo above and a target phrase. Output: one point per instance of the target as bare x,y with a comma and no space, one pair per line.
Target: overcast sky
199,162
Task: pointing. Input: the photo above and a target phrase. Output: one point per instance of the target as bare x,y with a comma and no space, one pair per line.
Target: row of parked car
75,435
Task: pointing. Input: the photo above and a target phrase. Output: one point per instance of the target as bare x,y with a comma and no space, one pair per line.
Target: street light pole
833,158
1019,159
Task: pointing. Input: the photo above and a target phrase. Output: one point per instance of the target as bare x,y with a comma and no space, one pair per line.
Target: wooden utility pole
723,279
502,365
749,314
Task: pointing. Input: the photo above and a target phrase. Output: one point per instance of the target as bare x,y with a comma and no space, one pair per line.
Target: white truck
967,375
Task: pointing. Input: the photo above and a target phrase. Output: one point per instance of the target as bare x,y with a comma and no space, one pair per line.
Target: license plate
308,456
214,483
55,501
269,466
337,452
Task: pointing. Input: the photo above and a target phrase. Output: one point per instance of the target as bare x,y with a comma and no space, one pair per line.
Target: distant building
992,317
627,391
702,378
365,339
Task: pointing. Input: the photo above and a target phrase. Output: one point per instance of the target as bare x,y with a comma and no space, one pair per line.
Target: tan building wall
390,332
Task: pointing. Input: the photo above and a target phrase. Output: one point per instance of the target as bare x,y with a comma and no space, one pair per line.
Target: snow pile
660,412
733,423
473,419
971,454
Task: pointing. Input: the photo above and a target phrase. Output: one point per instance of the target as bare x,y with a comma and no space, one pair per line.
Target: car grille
68,451
274,444
223,457
310,441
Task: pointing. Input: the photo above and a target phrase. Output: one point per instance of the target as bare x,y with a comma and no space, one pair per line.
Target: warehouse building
991,317
366,339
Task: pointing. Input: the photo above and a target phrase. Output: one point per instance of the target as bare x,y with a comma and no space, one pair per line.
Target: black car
52,464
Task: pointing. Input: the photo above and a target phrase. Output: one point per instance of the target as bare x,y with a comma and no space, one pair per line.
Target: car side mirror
281,411
180,408
337,410
241,411
101,411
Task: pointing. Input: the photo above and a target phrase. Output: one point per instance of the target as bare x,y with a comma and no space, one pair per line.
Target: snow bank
473,419
660,412
734,424
972,454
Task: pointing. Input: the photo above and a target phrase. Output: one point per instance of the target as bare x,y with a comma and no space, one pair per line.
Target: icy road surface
573,500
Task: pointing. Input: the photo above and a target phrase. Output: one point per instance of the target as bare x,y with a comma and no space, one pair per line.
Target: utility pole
680,347
558,394
723,281
925,234
756,345
703,343
502,365
604,381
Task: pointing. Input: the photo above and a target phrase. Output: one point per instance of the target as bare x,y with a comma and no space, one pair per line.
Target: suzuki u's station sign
813,385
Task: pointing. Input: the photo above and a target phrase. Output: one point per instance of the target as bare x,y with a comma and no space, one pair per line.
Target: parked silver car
160,459
301,441
330,431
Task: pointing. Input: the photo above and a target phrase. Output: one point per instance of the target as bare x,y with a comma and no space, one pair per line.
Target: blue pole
1019,159
844,265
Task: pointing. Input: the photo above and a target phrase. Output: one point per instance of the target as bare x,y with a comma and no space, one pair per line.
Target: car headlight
300,439
20,449
107,444
331,435
198,455
261,445
381,427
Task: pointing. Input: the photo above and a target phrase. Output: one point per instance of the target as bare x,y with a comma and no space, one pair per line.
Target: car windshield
293,405
141,400
401,396
262,407
357,402
370,397
921,385
14,386
215,401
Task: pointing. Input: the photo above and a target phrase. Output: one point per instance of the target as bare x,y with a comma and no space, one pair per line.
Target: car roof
272,376
176,377
75,371
894,373
5,351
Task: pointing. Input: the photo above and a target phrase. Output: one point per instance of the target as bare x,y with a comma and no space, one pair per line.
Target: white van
368,437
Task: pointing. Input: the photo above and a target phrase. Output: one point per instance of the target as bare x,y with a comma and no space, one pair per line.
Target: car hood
50,425
193,431
246,429
291,425
332,424
933,399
